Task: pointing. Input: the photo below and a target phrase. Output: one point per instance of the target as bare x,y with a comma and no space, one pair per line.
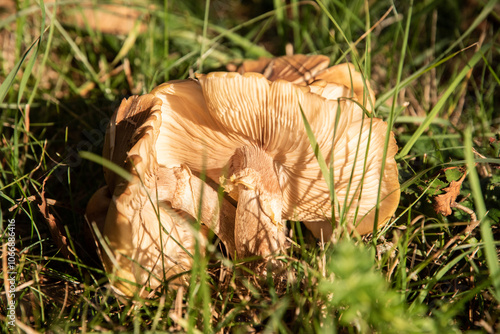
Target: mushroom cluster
242,132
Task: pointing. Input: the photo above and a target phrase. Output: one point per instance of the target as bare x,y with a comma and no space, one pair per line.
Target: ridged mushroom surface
246,133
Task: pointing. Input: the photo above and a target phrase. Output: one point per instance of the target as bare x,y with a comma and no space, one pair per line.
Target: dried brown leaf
55,227
443,203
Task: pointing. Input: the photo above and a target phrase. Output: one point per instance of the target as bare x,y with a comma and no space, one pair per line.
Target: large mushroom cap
244,132
206,121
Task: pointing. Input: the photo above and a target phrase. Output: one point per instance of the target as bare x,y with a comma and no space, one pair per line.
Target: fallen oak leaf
443,203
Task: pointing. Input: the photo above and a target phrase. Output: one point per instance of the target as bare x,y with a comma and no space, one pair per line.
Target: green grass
434,65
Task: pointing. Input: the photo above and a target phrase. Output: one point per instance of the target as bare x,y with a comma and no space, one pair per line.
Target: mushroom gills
254,183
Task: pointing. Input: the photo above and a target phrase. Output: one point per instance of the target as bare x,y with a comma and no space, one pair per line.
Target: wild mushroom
250,130
246,133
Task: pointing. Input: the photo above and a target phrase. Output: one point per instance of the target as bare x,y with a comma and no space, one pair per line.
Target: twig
65,301
455,115
467,231
373,26
433,85
33,198
472,214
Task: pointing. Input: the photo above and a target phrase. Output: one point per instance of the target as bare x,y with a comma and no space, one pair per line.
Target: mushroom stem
258,228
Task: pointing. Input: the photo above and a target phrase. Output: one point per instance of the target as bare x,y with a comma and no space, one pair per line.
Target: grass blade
107,164
4,88
440,104
486,232
325,171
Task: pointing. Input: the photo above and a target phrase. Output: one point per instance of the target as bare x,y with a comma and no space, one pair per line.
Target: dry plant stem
472,214
33,198
55,227
65,301
434,90
178,303
25,328
26,133
483,169
186,191
128,74
455,115
468,230
430,91
373,27
418,110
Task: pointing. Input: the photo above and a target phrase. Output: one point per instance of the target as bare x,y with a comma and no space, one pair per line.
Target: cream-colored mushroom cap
245,133
306,70
250,130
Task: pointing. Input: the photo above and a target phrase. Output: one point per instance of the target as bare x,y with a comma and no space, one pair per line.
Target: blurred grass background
434,66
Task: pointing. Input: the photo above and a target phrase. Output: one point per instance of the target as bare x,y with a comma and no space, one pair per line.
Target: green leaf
453,174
